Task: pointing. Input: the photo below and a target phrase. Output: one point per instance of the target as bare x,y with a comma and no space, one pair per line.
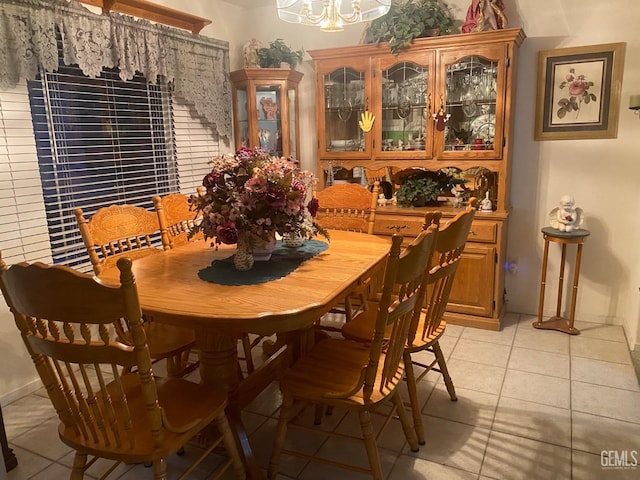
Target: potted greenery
410,19
423,187
418,192
277,53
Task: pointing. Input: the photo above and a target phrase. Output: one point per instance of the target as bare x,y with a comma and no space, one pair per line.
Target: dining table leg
219,365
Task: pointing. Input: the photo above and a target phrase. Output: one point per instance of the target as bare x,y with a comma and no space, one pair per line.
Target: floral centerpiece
250,197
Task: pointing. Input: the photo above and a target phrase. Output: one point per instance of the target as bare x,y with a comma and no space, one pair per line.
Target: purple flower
276,198
227,233
211,180
313,206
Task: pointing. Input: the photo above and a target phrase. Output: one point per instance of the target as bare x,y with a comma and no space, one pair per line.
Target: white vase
292,240
262,249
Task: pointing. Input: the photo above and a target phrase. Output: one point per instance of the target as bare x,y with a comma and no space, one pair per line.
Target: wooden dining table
171,291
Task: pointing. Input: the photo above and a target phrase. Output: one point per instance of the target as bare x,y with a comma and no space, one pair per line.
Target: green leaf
561,113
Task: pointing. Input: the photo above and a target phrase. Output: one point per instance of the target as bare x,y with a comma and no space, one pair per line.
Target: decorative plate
484,126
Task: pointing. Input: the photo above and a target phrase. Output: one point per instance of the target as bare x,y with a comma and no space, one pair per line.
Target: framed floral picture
579,92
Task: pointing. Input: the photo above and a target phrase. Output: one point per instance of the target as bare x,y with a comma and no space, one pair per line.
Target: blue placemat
284,260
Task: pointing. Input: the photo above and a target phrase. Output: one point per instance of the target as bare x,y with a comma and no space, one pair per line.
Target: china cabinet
265,109
443,103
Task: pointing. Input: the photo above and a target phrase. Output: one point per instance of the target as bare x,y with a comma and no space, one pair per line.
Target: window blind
100,141
24,234
196,142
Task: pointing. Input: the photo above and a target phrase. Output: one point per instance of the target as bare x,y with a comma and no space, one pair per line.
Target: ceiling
251,3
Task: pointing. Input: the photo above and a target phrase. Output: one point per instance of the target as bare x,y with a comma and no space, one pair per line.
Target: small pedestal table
558,322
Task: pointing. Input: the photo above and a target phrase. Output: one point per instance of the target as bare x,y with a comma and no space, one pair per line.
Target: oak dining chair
341,373
176,218
68,321
351,207
428,325
125,230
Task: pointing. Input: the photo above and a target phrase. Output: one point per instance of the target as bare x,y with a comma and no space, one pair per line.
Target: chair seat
360,329
335,365
168,340
183,419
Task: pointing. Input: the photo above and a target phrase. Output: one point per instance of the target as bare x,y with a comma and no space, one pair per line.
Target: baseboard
20,392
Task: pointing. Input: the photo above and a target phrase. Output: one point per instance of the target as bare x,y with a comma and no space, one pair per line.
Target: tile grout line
571,409
495,412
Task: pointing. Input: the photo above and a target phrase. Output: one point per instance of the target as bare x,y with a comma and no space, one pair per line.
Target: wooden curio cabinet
265,109
443,103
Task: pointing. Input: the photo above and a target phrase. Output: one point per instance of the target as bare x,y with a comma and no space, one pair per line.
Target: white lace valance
198,66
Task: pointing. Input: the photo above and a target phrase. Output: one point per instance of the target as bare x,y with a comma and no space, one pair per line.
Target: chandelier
329,14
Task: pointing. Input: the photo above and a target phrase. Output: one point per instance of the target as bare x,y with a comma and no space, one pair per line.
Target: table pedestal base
557,323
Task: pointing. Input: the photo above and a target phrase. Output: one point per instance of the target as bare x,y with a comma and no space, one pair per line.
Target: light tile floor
532,405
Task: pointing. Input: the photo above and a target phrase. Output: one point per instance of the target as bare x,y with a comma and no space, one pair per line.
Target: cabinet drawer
482,231
411,226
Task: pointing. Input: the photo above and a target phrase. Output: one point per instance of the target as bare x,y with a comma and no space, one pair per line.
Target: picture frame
578,94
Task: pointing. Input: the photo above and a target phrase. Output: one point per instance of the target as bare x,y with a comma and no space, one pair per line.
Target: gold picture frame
578,93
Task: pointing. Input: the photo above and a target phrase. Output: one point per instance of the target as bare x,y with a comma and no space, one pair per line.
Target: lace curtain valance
198,66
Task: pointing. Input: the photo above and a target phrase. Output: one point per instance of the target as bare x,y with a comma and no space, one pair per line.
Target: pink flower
577,88
578,85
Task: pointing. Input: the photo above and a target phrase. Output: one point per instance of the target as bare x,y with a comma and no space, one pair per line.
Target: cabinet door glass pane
243,118
293,146
404,107
344,102
268,103
471,104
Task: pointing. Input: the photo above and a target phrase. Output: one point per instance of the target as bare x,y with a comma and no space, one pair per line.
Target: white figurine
567,217
382,200
457,197
485,204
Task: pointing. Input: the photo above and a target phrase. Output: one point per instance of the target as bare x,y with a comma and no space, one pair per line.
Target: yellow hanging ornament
366,121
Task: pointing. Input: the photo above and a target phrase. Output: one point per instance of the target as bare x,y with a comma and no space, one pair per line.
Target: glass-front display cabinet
443,106
472,86
405,89
265,109
344,96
